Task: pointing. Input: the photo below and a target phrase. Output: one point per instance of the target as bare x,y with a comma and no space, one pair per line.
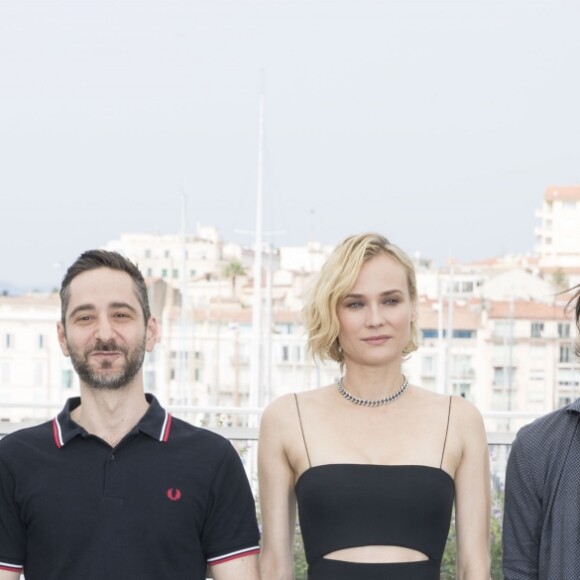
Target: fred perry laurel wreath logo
173,494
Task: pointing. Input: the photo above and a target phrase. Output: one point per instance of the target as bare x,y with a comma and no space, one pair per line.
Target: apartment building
558,235
190,259
515,355
494,332
172,257
32,368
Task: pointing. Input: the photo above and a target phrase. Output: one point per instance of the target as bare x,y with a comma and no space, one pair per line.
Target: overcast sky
439,123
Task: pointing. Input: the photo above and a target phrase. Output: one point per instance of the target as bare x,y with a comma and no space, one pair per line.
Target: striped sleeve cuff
11,567
233,555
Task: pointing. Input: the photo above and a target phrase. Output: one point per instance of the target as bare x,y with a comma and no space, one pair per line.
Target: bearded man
114,488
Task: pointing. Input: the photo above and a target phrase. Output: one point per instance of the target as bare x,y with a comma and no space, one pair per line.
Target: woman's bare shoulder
465,411
458,404
289,404
429,397
461,412
467,423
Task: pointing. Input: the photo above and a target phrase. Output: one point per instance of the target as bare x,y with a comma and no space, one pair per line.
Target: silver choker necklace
370,402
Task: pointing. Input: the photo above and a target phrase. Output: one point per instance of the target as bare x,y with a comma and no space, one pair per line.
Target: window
149,380
461,364
175,273
298,353
38,373
8,341
463,287
568,377
457,333
284,328
462,389
5,373
149,272
41,342
462,333
563,401
285,353
537,329
503,376
563,329
147,254
164,273
67,379
566,353
428,365
429,333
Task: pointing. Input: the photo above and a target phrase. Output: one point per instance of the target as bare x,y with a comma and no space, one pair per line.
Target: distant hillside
6,288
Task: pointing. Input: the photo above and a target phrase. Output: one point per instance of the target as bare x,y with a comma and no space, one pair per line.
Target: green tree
233,269
448,564
560,280
300,565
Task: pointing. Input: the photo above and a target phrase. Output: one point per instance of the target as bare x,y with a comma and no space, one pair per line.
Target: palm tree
233,269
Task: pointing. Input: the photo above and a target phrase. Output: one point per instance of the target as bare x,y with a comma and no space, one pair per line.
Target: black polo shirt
166,501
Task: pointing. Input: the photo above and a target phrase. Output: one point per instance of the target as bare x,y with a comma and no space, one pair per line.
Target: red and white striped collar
156,422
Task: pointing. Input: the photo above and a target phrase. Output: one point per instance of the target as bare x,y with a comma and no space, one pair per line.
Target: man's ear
152,334
61,333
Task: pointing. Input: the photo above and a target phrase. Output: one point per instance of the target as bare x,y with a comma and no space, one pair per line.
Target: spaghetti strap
446,432
302,429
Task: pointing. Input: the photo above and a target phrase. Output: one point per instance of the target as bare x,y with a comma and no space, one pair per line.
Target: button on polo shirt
166,500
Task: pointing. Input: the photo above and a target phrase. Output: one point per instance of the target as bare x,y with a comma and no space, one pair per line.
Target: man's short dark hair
93,259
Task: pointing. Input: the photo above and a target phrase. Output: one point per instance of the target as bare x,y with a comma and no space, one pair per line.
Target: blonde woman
374,463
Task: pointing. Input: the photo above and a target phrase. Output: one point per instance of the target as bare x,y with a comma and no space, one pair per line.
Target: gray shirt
541,531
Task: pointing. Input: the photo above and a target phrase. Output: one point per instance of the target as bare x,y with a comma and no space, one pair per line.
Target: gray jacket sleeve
522,516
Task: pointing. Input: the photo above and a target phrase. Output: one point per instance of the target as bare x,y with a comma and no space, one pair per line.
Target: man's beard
99,378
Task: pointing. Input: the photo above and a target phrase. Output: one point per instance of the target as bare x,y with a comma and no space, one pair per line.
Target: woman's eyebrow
385,293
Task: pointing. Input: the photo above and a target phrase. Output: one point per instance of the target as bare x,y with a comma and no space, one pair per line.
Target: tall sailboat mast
255,360
183,391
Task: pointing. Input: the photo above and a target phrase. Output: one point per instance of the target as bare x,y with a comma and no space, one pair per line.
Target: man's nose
104,330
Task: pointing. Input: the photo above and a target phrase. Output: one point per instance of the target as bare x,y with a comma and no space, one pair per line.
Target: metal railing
240,425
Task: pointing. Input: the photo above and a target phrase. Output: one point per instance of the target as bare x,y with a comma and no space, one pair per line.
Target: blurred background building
495,332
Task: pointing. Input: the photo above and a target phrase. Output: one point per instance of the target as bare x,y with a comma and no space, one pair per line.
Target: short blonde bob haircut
336,279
